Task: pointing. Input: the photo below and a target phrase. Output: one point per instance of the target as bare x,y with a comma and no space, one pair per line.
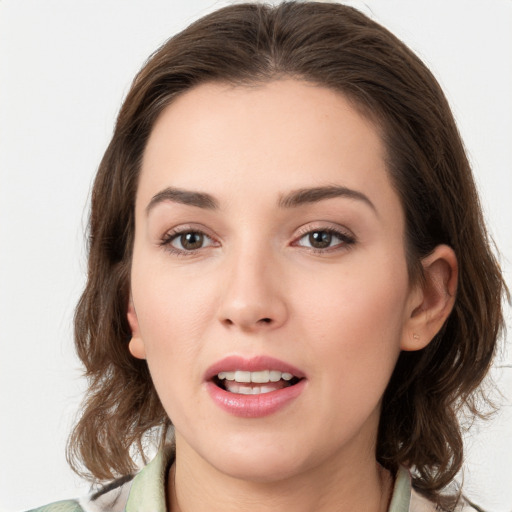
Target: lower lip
254,406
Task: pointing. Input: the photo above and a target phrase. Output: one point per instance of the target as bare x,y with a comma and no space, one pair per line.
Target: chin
258,461
266,469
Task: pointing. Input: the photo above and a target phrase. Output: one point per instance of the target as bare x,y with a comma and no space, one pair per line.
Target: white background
65,66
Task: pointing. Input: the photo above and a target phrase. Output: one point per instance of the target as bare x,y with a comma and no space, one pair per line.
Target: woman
288,263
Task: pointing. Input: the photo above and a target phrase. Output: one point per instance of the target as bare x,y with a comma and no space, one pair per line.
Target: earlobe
432,299
136,345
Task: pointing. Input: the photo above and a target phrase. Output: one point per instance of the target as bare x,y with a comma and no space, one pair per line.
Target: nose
252,296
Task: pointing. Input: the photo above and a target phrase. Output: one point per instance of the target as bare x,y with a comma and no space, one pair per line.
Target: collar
147,493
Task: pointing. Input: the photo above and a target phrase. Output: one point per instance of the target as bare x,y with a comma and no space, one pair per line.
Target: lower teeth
254,391
258,389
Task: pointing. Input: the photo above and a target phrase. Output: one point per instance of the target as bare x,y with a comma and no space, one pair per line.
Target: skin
256,286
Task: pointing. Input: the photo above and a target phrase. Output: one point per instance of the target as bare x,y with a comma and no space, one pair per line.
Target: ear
432,300
136,345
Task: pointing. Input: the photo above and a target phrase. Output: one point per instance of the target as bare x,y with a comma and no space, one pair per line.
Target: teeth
242,376
274,376
246,390
226,375
261,377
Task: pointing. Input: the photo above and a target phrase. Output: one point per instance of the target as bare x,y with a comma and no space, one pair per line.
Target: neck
359,484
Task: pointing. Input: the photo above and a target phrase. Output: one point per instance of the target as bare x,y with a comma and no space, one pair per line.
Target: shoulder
110,498
420,503
406,498
60,506
143,491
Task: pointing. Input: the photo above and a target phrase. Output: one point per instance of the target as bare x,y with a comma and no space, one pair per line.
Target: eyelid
344,234
171,234
323,226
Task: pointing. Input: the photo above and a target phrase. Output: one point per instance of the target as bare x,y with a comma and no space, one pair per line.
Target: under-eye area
254,383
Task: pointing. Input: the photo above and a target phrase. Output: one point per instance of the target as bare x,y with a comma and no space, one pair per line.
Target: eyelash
175,234
346,240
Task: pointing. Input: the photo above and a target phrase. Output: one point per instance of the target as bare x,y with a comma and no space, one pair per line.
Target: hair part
337,47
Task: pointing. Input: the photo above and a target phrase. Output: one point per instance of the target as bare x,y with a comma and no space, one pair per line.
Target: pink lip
253,406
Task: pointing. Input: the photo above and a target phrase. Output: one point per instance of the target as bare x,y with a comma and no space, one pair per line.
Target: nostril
266,320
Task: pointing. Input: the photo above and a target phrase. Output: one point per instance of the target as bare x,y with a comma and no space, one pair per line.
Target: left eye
189,241
323,239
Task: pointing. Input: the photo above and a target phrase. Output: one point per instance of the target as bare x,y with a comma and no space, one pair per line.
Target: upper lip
251,364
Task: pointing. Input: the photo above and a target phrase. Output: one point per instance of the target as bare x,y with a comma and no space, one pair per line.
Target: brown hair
334,46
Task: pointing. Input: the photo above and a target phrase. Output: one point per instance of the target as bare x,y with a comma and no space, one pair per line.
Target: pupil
320,239
192,241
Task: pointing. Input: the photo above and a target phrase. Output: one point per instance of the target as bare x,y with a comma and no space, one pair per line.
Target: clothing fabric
145,492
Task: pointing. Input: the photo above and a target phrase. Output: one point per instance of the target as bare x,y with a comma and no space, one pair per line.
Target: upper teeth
259,377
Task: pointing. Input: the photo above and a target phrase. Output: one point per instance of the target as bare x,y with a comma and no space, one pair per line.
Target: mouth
254,383
254,387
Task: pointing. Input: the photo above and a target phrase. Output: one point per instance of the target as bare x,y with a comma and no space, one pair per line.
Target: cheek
355,319
172,317
172,309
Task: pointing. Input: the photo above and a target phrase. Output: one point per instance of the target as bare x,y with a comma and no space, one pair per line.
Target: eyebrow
313,195
291,200
188,197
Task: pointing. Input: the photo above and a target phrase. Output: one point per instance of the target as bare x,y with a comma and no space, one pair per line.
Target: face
270,292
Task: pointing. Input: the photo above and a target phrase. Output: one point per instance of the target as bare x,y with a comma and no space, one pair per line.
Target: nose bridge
252,298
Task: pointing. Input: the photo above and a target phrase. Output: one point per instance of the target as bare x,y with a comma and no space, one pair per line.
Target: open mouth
254,383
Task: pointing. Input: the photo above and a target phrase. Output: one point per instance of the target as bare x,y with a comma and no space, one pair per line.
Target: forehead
272,136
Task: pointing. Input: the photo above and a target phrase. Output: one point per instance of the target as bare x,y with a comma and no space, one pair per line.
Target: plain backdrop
65,66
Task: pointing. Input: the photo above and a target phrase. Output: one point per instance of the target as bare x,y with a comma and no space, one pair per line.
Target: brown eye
325,240
191,241
320,239
187,241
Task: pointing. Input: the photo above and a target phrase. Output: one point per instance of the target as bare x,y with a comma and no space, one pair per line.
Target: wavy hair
338,47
